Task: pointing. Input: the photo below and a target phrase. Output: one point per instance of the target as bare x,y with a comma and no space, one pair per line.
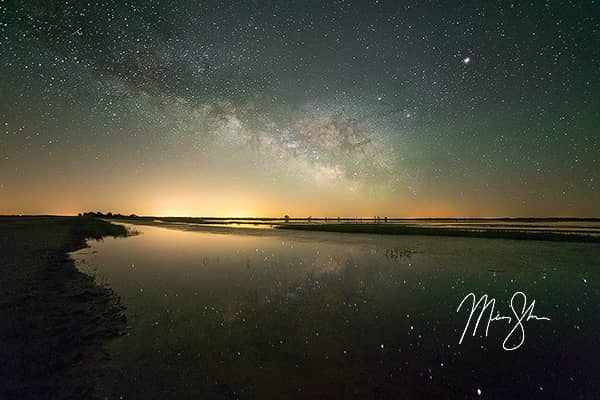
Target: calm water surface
219,313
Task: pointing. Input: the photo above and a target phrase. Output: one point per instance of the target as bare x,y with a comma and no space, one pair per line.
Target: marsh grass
399,229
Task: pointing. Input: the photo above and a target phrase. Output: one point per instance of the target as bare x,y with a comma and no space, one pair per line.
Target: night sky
339,108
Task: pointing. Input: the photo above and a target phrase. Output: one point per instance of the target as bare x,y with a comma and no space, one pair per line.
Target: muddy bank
54,319
490,233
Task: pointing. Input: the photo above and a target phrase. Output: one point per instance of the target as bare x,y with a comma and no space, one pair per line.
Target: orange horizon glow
158,194
292,216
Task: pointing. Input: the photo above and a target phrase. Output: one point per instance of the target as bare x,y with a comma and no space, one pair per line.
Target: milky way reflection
271,314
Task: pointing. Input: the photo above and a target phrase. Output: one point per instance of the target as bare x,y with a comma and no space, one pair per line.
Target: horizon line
318,218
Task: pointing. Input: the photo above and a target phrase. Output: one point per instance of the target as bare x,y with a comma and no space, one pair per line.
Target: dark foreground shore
54,319
402,229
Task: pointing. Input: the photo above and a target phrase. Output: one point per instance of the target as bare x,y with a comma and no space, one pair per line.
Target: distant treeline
107,215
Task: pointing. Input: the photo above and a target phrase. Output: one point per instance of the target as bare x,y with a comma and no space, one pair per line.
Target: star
298,97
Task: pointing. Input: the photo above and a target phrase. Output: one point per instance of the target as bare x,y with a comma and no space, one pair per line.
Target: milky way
325,108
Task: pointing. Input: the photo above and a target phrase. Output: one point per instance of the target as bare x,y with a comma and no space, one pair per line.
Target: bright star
466,60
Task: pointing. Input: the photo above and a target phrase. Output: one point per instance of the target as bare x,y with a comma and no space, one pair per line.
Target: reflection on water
227,313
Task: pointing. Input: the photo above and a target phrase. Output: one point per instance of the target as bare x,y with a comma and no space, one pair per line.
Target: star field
312,108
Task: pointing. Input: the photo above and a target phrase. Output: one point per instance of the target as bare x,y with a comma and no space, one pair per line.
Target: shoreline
399,229
54,319
574,234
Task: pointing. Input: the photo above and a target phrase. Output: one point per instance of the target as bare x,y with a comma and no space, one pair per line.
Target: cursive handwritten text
522,314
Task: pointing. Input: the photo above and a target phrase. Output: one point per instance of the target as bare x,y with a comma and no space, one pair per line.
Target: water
220,313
